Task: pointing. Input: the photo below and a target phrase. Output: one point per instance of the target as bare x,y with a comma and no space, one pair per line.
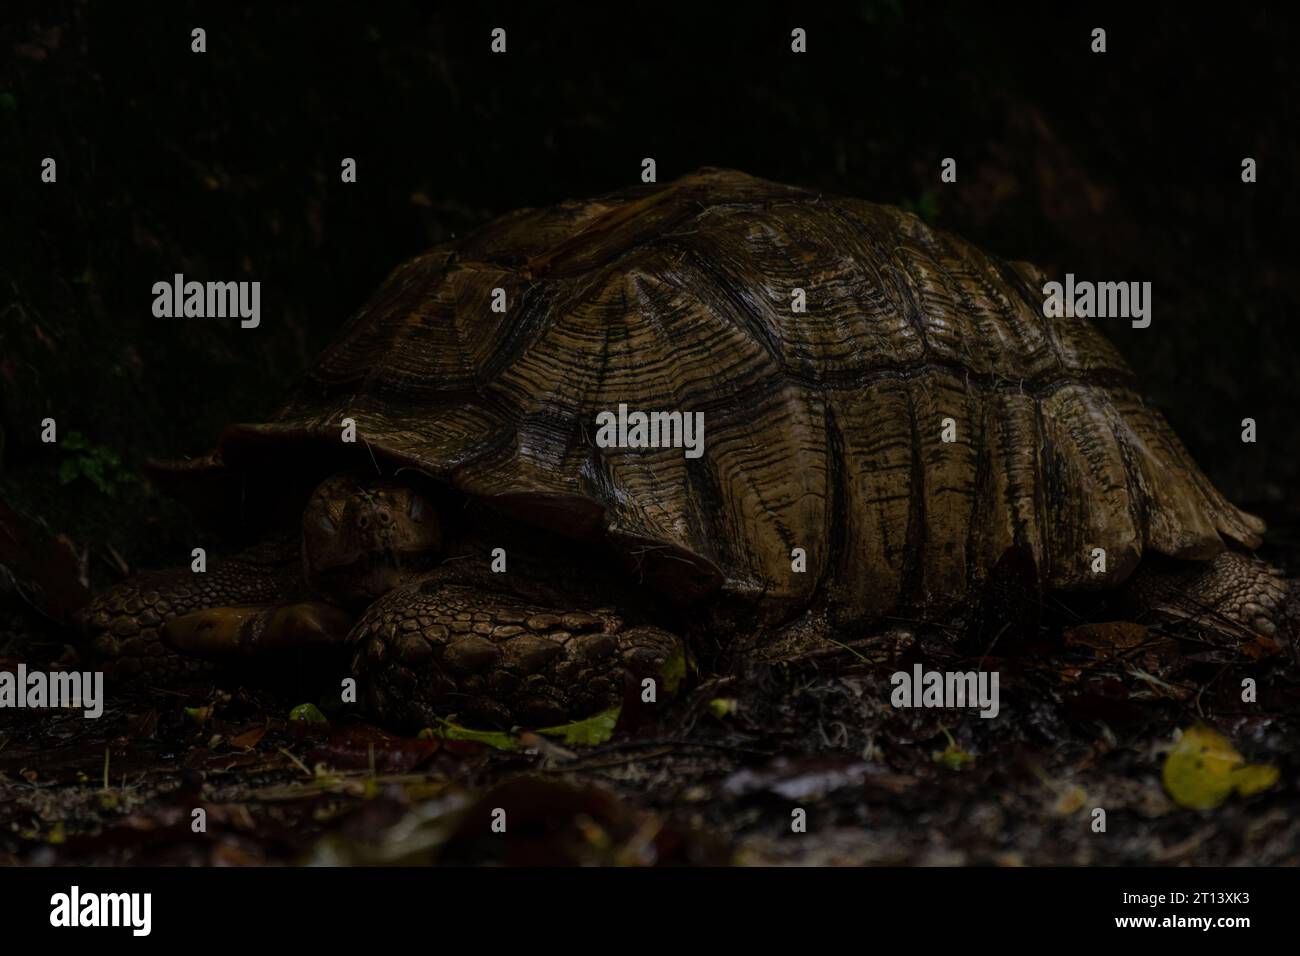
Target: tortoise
482,554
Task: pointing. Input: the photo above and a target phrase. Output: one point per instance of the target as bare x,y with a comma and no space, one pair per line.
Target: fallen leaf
353,746
722,707
674,670
593,730
1070,800
308,714
1203,769
493,738
249,738
1108,635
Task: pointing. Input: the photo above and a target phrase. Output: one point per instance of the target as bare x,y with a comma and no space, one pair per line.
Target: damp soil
805,763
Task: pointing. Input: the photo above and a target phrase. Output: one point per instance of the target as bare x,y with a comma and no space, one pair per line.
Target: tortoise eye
417,508
327,523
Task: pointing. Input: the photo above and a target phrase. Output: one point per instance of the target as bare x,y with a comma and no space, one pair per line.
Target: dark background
225,166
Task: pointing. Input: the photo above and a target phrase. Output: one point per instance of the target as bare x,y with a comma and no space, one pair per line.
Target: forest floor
1088,718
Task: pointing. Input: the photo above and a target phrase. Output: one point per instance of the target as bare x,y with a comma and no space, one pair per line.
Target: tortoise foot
434,650
1232,596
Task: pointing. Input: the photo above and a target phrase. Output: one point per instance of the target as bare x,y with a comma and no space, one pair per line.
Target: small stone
543,622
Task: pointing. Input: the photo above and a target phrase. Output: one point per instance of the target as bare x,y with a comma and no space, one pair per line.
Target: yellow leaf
1254,778
1070,800
723,706
1203,769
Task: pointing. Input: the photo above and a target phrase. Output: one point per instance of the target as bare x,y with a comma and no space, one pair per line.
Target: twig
302,766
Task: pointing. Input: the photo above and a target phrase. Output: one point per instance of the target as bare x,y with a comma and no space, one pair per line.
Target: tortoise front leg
125,623
437,649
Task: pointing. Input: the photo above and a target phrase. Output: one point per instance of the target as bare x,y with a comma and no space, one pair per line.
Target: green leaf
308,713
952,756
593,730
722,706
96,463
68,471
492,738
674,670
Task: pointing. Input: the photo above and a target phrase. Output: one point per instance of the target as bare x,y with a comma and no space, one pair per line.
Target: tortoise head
361,539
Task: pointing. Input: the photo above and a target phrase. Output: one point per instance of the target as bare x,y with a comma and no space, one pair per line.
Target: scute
822,428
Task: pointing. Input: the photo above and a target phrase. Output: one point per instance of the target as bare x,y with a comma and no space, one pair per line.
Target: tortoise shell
823,428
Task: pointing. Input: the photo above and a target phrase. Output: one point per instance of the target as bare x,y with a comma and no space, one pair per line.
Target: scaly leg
435,649
1232,596
125,622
